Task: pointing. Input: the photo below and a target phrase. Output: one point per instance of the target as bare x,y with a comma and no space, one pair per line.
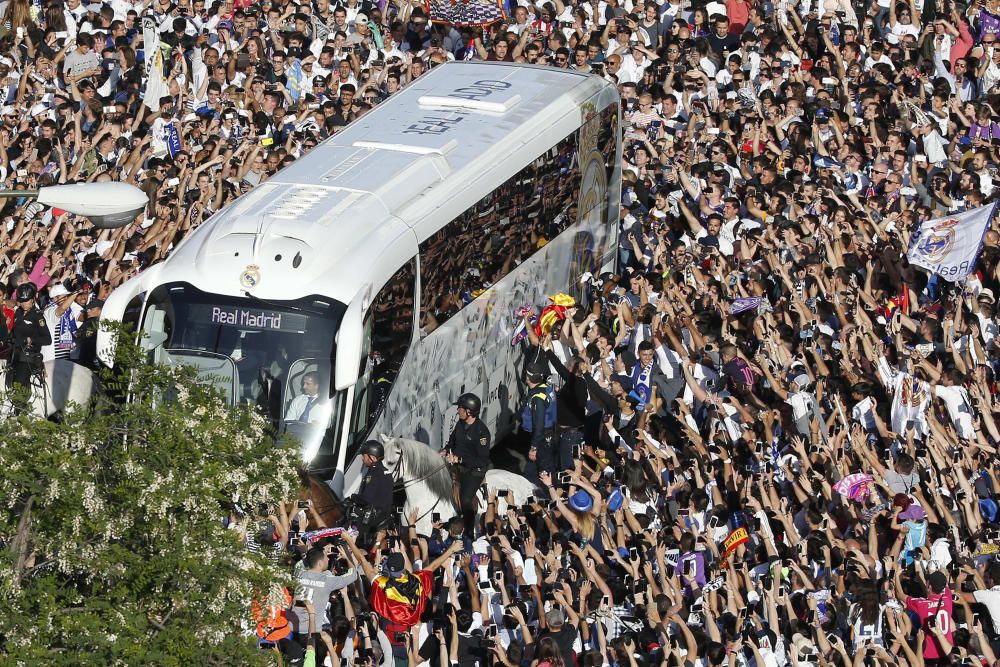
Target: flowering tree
112,543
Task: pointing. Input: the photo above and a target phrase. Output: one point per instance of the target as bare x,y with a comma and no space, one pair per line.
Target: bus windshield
276,355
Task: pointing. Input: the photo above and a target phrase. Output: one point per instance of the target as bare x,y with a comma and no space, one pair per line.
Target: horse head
412,462
393,459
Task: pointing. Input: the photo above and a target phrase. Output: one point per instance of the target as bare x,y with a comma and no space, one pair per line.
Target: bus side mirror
349,341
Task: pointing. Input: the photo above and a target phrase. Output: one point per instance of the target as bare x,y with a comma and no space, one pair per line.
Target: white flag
156,86
949,246
150,41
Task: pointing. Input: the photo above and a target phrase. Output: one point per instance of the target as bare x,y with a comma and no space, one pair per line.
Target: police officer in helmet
373,502
468,449
538,421
27,337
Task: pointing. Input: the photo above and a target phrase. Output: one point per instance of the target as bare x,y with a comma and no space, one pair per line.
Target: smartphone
576,451
498,576
688,567
530,501
62,35
956,455
714,131
485,586
683,512
266,141
435,517
399,637
714,521
173,182
303,504
633,554
931,622
111,109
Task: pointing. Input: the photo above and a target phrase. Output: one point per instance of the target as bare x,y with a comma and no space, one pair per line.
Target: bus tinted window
503,229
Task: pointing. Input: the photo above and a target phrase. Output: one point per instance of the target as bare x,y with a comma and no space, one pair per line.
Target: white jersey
910,399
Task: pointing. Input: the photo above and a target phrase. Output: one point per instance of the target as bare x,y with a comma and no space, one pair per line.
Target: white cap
7,110
58,290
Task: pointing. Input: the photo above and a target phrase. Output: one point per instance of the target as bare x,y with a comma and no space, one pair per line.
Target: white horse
429,488
65,382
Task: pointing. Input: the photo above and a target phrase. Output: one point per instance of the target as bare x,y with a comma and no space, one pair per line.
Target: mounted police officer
27,337
538,420
468,449
373,502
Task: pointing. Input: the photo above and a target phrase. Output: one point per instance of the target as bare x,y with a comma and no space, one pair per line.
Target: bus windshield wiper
272,304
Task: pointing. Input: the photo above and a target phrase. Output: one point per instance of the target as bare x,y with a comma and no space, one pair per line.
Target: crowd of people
767,440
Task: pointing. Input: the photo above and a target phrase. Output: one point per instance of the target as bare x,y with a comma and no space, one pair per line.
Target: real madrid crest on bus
250,276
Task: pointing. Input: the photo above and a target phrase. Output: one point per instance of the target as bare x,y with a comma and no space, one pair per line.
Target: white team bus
389,263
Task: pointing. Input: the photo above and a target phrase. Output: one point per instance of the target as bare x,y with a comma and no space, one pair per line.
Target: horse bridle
403,486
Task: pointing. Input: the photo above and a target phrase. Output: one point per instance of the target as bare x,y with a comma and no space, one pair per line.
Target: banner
150,42
173,139
463,13
735,539
949,246
156,86
294,77
744,303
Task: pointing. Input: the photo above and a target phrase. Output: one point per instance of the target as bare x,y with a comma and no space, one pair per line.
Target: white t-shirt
991,599
956,399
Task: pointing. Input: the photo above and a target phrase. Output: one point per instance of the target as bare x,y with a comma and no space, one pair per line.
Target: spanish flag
735,539
395,605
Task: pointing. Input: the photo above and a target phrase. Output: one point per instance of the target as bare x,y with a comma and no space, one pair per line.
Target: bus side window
388,333
133,311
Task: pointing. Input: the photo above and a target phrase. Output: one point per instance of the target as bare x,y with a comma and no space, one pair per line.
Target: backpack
272,617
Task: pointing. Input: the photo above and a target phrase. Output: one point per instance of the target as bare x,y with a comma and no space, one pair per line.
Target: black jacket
30,333
571,400
471,443
376,488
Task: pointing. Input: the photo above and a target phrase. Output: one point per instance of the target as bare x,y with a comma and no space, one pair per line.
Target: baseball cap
57,291
988,509
395,566
615,500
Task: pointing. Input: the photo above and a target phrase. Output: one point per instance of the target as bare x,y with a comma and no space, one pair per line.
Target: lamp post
108,205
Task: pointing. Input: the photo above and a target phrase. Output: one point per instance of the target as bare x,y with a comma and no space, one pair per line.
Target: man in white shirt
307,407
956,400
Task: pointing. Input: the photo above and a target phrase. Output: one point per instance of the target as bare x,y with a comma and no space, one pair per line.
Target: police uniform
27,337
471,444
85,347
538,419
376,488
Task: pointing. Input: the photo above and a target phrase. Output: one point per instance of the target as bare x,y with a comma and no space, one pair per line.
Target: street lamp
108,205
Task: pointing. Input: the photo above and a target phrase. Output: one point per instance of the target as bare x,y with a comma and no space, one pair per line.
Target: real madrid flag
949,246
